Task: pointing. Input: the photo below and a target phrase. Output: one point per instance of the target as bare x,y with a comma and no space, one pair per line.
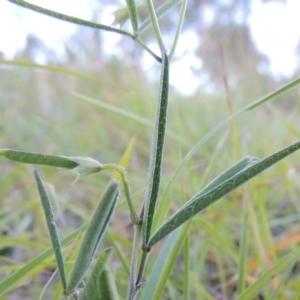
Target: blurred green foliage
40,114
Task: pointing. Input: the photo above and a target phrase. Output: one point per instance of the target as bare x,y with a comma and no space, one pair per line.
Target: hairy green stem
134,259
140,279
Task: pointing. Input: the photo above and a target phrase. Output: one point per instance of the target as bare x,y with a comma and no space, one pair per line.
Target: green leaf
250,106
125,158
52,229
98,225
108,288
81,166
285,263
239,166
38,159
156,152
67,18
187,268
127,114
93,285
243,252
213,192
274,94
165,199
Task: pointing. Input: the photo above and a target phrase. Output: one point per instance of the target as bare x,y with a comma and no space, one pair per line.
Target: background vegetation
40,113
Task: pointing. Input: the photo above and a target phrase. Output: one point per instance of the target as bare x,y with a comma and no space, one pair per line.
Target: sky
275,28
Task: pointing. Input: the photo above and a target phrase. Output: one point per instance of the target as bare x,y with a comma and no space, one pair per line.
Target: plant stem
140,280
134,216
179,26
155,24
156,57
134,258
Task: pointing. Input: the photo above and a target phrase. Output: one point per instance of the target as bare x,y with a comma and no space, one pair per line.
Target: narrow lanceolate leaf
52,229
81,166
239,166
107,283
156,152
38,159
132,14
67,18
201,201
93,236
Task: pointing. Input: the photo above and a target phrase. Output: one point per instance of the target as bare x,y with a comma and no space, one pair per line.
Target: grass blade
108,288
187,268
92,287
99,223
243,251
29,64
125,158
127,114
115,109
156,152
285,263
52,229
274,94
201,201
163,265
35,264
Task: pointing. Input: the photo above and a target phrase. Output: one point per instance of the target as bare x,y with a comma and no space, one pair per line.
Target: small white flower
85,166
